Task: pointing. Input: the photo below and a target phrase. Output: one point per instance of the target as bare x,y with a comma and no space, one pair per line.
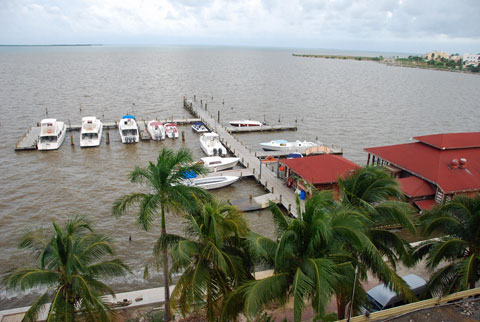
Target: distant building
319,171
456,58
436,55
471,59
435,169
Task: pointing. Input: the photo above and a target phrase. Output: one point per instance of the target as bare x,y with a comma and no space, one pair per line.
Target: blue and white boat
199,127
128,129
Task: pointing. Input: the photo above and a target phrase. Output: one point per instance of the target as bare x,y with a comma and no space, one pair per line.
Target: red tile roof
449,141
433,165
426,204
415,187
321,169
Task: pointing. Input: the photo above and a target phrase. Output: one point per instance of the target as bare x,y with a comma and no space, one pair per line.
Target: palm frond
302,285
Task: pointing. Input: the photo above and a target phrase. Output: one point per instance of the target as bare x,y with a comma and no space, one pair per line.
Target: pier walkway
264,175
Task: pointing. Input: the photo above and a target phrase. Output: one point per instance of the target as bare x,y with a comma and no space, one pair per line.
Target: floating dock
29,140
255,203
263,128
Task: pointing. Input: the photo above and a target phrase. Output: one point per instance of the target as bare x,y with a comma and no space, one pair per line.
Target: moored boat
171,130
156,130
52,134
91,132
245,123
199,127
209,183
216,163
128,129
284,145
211,145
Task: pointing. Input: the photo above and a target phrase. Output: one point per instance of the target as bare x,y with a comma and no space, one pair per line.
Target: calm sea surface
352,104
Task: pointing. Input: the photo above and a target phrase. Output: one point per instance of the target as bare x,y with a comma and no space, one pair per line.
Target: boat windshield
129,132
86,136
48,139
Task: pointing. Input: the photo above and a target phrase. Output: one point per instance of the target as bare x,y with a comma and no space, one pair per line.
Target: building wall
436,55
471,59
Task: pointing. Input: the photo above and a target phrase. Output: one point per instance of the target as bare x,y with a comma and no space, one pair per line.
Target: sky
410,26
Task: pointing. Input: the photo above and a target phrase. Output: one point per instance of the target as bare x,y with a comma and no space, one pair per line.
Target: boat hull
222,164
45,146
90,143
210,183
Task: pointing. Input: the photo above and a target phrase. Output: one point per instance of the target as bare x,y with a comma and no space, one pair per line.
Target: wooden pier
29,140
263,128
278,189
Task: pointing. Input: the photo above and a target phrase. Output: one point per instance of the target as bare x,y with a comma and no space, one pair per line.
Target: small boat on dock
284,145
200,127
156,130
128,129
91,132
171,130
210,183
52,134
216,163
245,123
211,145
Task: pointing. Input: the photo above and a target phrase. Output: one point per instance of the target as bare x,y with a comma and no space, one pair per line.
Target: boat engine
214,151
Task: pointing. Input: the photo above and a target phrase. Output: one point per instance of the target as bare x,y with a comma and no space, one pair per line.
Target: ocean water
351,104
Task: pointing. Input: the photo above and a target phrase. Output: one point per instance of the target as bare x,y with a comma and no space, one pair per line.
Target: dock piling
183,136
108,137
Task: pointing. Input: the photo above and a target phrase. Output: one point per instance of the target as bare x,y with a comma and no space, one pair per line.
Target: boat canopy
189,175
128,117
198,123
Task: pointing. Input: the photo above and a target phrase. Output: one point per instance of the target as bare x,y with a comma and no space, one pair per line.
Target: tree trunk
165,272
340,308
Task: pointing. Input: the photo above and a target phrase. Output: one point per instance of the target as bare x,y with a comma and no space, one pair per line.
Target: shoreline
387,62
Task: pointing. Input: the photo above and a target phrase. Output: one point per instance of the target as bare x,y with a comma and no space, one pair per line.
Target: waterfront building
471,59
436,55
434,169
319,171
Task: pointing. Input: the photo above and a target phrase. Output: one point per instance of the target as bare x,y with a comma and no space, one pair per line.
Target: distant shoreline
53,45
382,60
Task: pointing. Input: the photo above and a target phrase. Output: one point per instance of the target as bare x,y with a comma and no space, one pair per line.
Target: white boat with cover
245,123
156,130
52,134
200,127
91,132
216,163
171,130
128,129
209,183
284,145
211,145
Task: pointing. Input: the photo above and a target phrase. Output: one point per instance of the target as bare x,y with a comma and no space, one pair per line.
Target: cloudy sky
414,26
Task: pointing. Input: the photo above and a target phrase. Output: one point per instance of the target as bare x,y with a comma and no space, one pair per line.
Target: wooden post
218,118
71,139
368,159
280,198
273,189
289,207
253,170
108,137
183,136
248,164
205,106
250,196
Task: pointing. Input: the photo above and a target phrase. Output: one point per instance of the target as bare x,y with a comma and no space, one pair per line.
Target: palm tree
305,258
459,223
167,193
211,258
68,265
373,192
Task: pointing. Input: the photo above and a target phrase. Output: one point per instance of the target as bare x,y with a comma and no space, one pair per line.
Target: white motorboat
284,145
91,132
156,130
209,183
211,145
128,129
52,134
245,123
215,164
171,130
199,127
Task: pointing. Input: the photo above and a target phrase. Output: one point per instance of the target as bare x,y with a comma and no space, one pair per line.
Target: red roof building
443,165
321,171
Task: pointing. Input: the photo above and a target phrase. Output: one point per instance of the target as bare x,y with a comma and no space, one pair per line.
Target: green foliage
69,266
459,222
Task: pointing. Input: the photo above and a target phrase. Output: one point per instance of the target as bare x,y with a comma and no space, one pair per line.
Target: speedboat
284,145
52,134
215,164
156,130
211,144
91,132
128,129
245,123
209,183
199,127
294,155
171,130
